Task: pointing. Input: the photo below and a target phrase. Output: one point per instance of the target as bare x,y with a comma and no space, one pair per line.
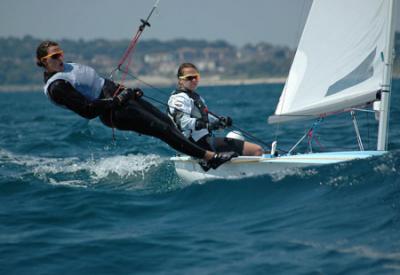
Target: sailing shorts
221,144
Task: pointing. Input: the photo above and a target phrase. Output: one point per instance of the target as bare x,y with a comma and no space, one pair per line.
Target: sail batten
338,62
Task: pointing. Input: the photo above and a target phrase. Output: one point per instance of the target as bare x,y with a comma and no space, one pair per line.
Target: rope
127,56
129,51
311,135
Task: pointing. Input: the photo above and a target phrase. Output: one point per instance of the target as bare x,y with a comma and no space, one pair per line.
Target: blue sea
73,201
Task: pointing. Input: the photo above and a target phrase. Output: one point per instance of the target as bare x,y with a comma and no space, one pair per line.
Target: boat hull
189,169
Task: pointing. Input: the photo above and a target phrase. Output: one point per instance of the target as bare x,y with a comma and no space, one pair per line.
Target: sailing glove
225,122
221,123
124,96
138,93
200,124
127,94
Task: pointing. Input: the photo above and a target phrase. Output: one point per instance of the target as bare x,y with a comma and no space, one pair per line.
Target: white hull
189,170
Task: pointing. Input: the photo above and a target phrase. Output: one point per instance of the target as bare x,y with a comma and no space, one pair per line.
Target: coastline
163,82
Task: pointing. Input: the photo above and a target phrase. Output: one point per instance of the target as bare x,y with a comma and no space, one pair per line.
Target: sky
238,22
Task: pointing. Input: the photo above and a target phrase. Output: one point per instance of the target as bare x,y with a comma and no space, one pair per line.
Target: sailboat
343,62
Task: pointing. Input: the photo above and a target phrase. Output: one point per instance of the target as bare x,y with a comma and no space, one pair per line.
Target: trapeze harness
83,78
198,111
179,107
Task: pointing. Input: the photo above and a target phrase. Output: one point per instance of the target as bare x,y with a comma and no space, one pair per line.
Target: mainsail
340,60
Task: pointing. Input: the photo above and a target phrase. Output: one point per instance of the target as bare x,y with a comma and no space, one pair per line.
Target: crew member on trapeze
80,89
190,114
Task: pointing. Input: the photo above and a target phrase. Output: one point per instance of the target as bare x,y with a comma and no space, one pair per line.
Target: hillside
153,58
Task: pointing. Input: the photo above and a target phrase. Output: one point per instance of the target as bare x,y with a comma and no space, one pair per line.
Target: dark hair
41,51
183,66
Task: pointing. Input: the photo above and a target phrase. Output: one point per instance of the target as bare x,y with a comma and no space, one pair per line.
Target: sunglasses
190,77
54,55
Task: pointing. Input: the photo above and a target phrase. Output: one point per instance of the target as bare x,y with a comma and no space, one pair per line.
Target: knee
258,151
251,149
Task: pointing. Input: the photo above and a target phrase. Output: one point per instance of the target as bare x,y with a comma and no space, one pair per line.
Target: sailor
80,89
190,114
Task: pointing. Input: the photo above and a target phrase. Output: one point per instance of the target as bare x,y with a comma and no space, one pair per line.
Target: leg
251,149
228,144
148,120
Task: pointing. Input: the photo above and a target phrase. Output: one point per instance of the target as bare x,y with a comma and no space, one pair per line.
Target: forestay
339,61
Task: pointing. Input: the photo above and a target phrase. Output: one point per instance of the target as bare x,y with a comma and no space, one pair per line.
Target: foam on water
46,168
123,166
302,173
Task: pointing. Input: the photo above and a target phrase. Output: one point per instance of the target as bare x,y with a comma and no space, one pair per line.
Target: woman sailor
190,114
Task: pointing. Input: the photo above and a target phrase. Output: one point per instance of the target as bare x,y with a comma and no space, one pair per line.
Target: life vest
83,78
197,110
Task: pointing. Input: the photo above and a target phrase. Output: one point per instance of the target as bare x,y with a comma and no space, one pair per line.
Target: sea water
73,201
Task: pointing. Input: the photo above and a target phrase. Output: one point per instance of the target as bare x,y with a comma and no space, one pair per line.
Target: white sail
339,61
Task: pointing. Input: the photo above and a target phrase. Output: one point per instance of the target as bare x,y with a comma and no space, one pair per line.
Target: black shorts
221,144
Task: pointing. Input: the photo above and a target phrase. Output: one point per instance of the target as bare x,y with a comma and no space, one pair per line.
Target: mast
387,57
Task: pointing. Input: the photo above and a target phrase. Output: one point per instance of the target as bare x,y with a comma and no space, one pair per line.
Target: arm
217,123
180,106
63,93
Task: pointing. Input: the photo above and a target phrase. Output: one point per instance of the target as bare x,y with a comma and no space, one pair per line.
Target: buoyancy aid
185,108
83,78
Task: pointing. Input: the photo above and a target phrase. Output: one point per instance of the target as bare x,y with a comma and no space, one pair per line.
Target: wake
76,172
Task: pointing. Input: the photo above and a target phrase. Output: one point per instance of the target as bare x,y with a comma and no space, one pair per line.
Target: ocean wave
76,172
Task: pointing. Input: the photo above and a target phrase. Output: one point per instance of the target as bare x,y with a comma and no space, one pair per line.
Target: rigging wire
368,131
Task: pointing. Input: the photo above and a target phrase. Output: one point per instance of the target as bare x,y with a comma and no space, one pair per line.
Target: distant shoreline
163,82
